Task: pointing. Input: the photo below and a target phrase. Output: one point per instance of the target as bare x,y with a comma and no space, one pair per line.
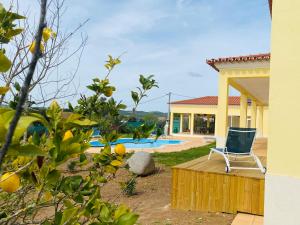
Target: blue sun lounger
239,147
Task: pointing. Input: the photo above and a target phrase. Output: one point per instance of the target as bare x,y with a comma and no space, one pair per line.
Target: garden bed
152,201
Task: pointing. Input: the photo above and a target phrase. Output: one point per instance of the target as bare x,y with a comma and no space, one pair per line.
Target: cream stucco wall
282,202
233,110
285,89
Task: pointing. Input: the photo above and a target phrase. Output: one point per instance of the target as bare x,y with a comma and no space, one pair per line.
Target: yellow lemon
3,90
47,32
68,134
108,92
10,182
120,149
32,47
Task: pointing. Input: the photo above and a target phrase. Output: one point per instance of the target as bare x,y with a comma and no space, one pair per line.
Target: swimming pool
142,143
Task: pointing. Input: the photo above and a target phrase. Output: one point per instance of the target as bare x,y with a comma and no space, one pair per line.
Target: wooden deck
203,185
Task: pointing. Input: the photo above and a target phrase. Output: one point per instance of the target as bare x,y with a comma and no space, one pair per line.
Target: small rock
141,163
166,207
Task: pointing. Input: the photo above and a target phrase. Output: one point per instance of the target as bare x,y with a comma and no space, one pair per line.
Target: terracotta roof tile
208,100
247,58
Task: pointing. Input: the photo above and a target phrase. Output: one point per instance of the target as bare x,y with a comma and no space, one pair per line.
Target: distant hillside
141,114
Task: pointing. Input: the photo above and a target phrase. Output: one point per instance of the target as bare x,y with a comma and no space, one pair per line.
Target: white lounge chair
239,146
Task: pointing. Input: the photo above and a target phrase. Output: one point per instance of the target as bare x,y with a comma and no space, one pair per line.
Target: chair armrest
218,149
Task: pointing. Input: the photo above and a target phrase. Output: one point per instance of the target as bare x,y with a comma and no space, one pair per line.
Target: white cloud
129,22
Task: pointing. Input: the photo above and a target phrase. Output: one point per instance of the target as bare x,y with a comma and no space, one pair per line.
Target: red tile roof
247,58
208,100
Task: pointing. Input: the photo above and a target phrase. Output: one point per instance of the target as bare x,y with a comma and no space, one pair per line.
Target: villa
269,82
194,117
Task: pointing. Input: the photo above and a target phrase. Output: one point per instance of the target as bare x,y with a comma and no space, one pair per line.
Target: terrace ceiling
258,87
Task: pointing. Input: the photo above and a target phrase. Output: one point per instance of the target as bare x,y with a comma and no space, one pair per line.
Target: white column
171,123
231,121
222,113
260,120
192,123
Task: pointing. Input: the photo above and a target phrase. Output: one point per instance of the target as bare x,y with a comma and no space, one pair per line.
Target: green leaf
3,110
54,112
53,177
70,107
135,96
23,125
58,217
28,150
14,32
5,63
35,138
104,213
17,86
83,122
46,223
74,148
71,184
121,210
79,198
82,158
6,117
3,132
127,219
14,16
110,169
68,203
68,215
4,39
41,119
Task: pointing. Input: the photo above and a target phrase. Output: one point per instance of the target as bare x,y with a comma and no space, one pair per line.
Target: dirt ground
152,201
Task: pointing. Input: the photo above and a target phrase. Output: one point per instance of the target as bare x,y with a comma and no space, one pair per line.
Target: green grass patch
174,158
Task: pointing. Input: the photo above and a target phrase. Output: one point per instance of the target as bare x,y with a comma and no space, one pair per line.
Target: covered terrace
250,76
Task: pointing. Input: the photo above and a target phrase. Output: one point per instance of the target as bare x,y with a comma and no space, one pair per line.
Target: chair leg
224,156
227,162
210,153
259,164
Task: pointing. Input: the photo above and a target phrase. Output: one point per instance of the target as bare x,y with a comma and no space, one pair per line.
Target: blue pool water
142,143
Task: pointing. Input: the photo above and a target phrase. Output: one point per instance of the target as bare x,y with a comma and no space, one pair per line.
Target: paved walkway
247,219
189,142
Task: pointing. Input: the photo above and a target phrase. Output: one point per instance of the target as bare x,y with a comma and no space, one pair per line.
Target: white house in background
197,116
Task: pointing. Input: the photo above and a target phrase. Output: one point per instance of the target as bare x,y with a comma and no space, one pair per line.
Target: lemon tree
34,176
35,168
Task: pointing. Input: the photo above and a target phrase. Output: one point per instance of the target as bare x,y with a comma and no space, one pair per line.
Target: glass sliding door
204,124
186,123
176,123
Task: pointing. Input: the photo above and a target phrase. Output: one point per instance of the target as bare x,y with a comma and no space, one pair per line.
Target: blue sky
168,38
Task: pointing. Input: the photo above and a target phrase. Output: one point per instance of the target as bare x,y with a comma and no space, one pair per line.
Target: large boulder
141,163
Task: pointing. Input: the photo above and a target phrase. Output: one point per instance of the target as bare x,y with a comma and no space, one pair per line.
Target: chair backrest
240,140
